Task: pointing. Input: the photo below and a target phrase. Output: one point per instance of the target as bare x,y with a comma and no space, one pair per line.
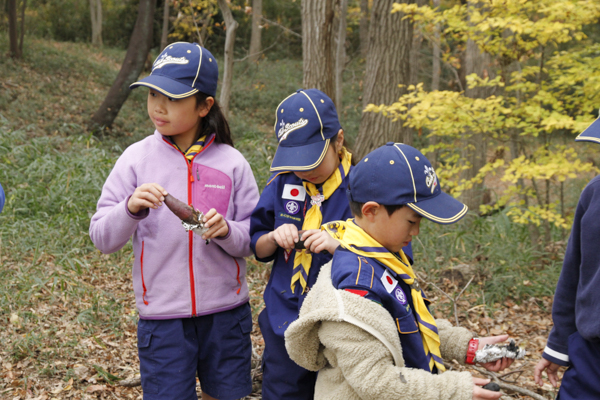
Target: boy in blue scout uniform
574,341
307,188
390,190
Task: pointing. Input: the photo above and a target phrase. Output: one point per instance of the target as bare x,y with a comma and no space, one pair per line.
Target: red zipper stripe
238,276
142,269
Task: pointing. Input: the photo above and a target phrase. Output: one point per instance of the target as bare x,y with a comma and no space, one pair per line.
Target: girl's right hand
480,393
286,236
149,195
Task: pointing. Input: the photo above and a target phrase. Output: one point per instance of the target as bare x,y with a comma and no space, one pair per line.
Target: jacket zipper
190,163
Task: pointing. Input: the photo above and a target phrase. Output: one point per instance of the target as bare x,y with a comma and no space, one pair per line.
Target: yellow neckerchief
353,238
314,218
193,149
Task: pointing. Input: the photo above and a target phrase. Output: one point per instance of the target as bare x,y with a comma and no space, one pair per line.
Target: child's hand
285,236
482,394
149,195
316,241
500,364
551,370
216,224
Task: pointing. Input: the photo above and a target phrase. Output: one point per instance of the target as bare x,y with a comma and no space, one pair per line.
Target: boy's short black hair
356,208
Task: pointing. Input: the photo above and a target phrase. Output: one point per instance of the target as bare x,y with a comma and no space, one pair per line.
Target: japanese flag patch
388,281
293,192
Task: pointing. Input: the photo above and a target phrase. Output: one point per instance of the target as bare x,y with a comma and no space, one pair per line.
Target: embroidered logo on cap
166,59
286,129
293,192
430,178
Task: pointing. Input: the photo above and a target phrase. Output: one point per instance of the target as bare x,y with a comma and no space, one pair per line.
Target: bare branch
507,386
282,27
260,52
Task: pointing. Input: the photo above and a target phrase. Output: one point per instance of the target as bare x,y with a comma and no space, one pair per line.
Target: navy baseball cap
182,70
398,174
591,133
305,123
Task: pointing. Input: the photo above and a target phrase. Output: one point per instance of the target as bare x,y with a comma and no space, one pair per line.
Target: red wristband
473,346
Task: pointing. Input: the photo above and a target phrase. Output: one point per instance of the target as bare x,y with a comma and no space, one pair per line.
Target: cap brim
591,134
442,209
166,86
299,158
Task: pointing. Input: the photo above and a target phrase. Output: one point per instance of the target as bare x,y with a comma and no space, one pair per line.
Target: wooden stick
507,386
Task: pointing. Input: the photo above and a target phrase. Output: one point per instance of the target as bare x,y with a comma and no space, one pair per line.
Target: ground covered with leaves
75,336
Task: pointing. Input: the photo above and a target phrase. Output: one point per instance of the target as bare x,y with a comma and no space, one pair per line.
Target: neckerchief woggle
353,238
314,218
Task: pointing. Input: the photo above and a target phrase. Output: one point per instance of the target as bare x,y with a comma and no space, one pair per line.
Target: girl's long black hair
213,122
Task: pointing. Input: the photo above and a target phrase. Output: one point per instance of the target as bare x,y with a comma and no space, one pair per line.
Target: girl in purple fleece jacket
191,294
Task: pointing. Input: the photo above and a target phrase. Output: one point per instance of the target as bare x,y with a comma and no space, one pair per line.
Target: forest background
494,92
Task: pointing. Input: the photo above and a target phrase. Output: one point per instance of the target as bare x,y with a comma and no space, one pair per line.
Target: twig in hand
507,386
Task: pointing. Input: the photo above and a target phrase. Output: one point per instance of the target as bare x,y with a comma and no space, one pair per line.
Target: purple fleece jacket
175,274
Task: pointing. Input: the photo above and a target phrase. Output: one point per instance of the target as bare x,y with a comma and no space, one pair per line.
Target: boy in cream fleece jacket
365,325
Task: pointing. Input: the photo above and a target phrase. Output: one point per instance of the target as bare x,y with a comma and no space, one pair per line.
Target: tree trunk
415,67
12,29
388,65
436,66
255,38
137,52
363,27
435,80
340,56
231,26
317,45
22,26
96,17
475,145
165,26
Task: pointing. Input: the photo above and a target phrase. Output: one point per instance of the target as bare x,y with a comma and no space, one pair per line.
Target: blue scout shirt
368,278
284,201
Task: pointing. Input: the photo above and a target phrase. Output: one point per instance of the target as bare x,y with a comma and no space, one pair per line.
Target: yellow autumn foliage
546,83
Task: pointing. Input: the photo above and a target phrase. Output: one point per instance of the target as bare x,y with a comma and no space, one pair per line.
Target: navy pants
282,377
582,379
216,347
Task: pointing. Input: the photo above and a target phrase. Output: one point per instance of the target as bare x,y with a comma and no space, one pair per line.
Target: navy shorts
580,381
216,346
282,377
